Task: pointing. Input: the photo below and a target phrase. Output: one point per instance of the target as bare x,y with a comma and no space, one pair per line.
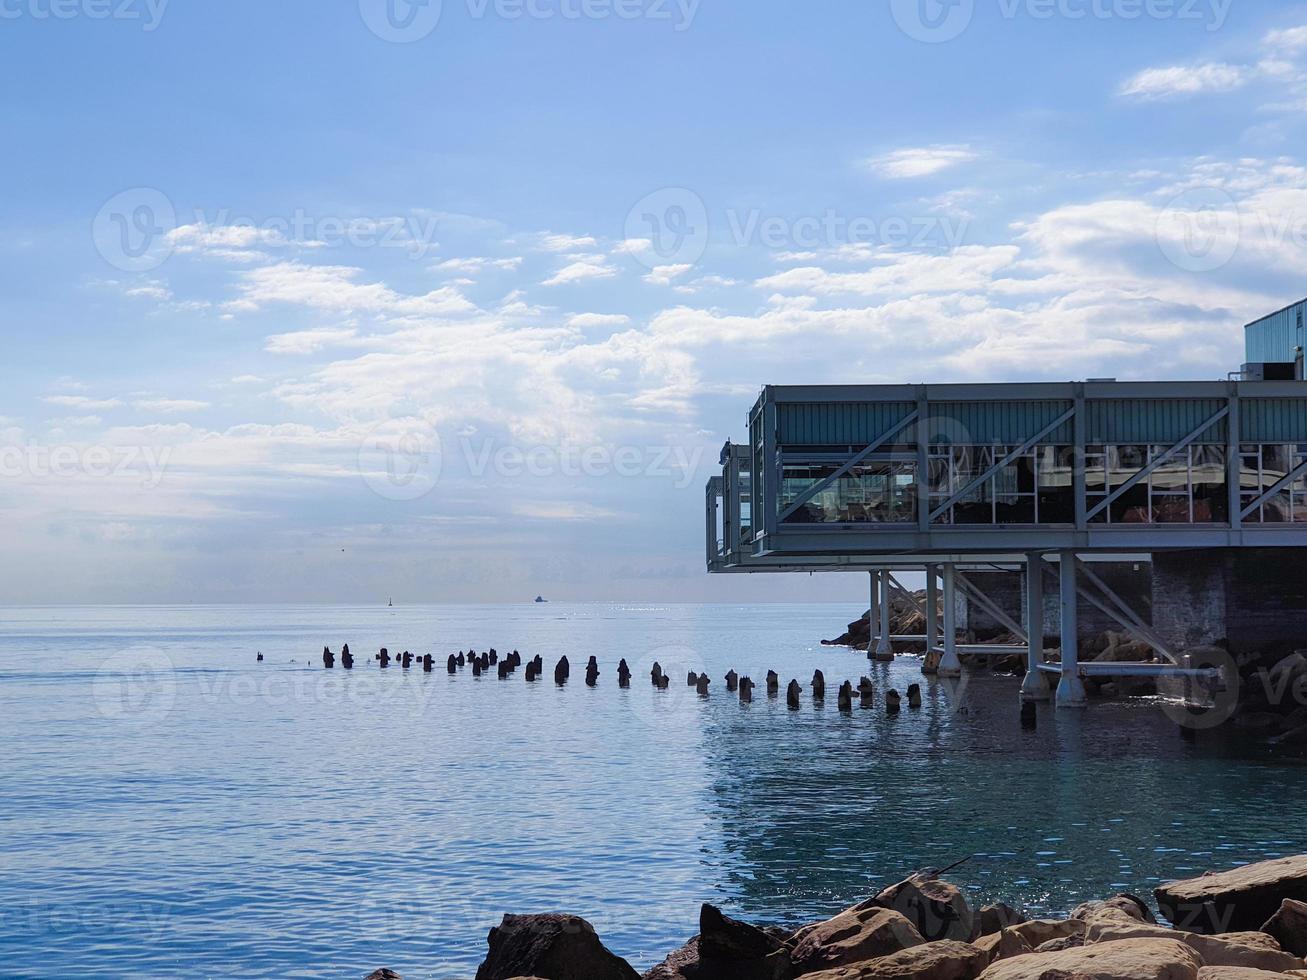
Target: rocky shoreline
1247,923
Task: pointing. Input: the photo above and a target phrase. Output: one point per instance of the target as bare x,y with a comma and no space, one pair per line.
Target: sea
172,806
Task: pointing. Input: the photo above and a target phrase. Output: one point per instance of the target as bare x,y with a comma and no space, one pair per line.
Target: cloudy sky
459,301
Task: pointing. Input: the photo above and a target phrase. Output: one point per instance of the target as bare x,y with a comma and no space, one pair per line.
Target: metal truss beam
975,592
1294,474
1166,457
1025,447
821,485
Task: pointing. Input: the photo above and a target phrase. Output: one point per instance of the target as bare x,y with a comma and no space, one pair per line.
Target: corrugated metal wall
1273,420
1113,421
1274,339
1137,421
1006,423
839,423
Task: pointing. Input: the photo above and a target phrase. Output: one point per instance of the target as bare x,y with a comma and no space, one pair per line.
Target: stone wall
1254,598
1131,581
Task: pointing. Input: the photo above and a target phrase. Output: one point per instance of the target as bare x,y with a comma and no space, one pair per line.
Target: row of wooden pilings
506,666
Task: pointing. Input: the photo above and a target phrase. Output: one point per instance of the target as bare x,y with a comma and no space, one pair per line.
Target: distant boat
541,598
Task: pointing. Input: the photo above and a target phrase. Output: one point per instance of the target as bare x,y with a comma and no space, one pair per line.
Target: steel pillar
873,615
1070,689
950,665
884,649
1034,687
932,607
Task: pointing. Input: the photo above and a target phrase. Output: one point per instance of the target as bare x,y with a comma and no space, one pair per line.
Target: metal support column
884,649
950,665
932,607
873,615
1035,686
1070,689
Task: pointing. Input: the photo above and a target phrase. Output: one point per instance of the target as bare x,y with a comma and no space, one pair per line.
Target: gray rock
559,947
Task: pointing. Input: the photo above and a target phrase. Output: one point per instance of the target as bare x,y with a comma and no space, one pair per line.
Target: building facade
943,478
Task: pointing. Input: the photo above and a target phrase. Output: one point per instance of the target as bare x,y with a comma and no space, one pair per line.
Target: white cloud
566,243
169,406
336,289
474,265
581,269
149,290
82,402
922,161
1173,82
584,321
663,275
1288,39
309,341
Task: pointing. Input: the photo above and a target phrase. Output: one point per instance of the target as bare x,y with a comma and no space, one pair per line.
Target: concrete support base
1071,692
950,665
1035,686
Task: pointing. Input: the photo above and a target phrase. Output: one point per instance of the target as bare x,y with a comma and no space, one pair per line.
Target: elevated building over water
1205,482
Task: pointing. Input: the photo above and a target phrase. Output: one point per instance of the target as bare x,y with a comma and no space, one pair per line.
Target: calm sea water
171,808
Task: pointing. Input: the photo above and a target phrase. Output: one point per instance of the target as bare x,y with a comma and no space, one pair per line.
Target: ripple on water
277,820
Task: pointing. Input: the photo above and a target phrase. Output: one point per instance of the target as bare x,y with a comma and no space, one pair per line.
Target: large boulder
726,949
861,933
1001,945
679,965
1132,905
1039,931
937,909
944,960
554,947
1238,900
996,917
383,974
1131,959
1289,926
1236,973
1251,949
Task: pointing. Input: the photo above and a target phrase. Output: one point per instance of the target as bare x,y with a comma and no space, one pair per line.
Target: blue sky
543,255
